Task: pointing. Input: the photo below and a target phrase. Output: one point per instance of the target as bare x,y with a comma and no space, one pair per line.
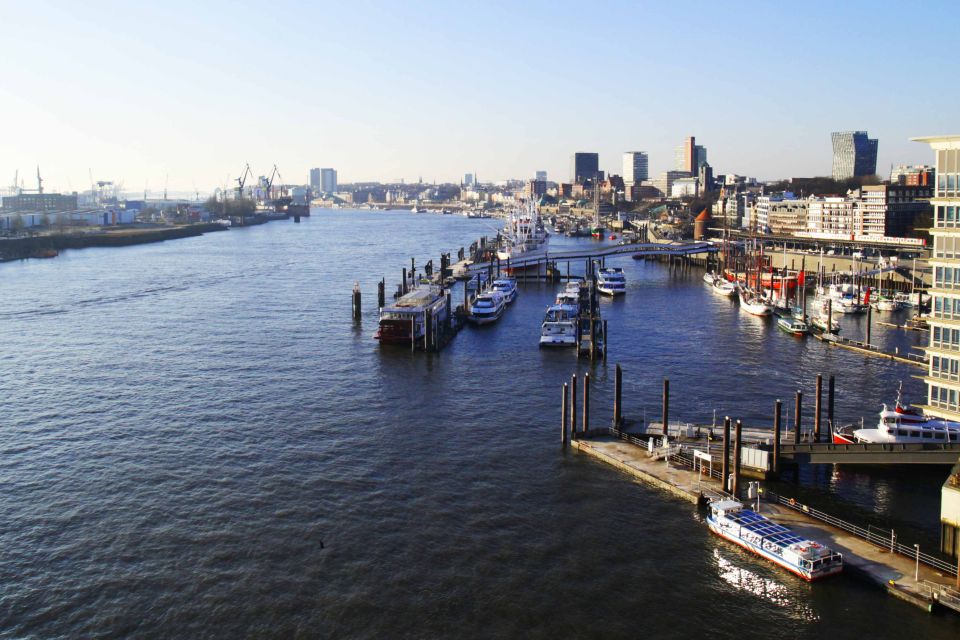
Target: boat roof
767,529
419,297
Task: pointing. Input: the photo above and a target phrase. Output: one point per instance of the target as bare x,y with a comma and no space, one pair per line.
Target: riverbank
48,246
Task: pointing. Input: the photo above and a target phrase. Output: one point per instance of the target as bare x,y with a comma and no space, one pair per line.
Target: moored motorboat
793,326
754,304
506,286
611,281
901,424
559,327
808,559
487,307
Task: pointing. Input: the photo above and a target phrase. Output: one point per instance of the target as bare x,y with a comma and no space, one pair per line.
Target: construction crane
39,181
242,180
273,176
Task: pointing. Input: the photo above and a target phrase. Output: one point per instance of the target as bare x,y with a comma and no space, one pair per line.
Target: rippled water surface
198,441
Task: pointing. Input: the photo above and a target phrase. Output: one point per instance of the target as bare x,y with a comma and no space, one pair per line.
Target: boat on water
611,281
901,424
405,320
559,327
793,326
846,299
506,286
886,303
754,304
720,285
525,239
810,560
487,307
823,323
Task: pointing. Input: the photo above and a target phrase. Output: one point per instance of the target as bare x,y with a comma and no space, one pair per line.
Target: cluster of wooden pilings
731,469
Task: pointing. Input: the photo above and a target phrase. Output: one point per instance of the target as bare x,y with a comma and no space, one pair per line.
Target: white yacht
559,328
611,281
487,308
754,304
902,424
506,286
525,238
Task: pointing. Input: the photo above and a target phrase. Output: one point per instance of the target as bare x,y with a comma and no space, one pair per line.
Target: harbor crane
242,180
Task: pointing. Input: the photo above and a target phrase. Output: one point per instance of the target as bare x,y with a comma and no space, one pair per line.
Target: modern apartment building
920,175
315,179
584,166
690,156
781,214
328,180
943,376
854,154
875,211
635,167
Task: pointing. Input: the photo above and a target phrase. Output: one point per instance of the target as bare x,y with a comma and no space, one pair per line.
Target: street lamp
916,575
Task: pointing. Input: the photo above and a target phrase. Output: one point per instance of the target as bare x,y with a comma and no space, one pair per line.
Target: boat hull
763,553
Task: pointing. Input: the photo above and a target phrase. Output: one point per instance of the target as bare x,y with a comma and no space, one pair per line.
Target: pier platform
890,571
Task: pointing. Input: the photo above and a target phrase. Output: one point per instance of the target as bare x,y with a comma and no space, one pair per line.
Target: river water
198,441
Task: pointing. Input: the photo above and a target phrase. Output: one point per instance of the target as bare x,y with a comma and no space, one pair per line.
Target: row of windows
946,308
945,338
948,184
946,277
947,216
944,398
946,246
947,368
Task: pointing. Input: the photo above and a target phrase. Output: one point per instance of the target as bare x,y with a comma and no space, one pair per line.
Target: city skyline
182,96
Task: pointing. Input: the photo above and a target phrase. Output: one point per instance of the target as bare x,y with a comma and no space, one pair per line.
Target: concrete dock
891,571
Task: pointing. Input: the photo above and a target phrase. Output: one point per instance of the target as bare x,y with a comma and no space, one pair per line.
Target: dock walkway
890,571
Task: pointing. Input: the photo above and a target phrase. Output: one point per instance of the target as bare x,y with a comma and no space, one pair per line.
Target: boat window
902,432
938,436
927,434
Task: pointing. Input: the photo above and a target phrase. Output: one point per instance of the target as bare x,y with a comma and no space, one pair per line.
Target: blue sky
384,90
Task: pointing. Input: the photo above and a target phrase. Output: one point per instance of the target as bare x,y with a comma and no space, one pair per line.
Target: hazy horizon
383,91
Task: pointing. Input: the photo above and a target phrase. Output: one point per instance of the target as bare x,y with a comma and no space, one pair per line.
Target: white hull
767,555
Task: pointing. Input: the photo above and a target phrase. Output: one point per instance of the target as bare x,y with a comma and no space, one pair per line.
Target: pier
876,555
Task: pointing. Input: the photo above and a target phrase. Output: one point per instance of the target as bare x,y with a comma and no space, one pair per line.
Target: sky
183,94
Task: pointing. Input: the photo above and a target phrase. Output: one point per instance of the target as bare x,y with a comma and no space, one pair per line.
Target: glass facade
854,154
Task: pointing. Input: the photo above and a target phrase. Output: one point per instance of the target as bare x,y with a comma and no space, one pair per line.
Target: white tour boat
611,281
506,286
487,307
901,424
559,328
808,559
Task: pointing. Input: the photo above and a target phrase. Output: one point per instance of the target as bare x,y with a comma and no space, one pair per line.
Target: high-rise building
690,156
635,167
540,176
315,179
468,180
585,166
854,154
328,180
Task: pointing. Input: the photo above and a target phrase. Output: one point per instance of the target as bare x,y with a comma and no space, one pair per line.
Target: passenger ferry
611,281
487,308
808,559
405,320
506,286
901,424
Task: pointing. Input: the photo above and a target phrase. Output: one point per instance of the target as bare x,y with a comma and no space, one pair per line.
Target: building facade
40,202
943,376
540,175
780,214
315,179
584,166
873,211
328,180
920,175
635,167
854,154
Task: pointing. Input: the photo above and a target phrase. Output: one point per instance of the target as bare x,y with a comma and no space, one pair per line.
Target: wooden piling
573,406
403,285
585,423
618,398
563,416
796,418
725,465
829,315
604,340
357,313
776,436
737,441
665,411
381,293
830,408
869,318
817,403
427,330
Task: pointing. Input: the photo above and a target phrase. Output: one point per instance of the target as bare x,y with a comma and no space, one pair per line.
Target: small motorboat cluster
562,319
489,305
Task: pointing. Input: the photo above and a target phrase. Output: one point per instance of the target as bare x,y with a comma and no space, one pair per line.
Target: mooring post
666,408
563,416
403,285
725,465
829,315
817,403
356,301
427,329
413,334
869,318
604,340
585,423
413,269
830,408
618,398
796,418
736,458
573,406
382,293
776,436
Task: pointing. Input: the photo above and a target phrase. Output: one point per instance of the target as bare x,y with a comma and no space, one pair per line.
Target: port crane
242,180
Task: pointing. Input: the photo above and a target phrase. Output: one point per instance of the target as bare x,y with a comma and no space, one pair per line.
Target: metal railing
947,596
883,538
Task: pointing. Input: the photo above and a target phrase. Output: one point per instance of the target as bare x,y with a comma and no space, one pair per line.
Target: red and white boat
901,424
